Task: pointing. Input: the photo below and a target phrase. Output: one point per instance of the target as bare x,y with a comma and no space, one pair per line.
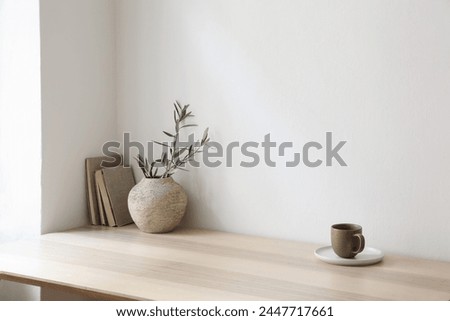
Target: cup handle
362,243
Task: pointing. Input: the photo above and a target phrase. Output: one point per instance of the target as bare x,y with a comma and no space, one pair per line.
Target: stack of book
108,185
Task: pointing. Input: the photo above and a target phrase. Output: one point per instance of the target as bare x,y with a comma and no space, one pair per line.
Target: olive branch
177,156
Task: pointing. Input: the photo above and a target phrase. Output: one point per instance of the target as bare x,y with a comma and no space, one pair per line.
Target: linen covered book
118,182
92,165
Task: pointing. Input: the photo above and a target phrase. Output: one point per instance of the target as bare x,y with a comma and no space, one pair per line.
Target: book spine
105,198
90,195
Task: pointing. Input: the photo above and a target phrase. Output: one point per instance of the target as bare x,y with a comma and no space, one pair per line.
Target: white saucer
367,257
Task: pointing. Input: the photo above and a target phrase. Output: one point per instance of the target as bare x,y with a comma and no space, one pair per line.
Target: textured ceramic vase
157,205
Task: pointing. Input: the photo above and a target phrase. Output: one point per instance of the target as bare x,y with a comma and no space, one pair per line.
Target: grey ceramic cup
347,239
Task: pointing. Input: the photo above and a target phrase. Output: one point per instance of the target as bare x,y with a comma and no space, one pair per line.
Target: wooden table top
194,264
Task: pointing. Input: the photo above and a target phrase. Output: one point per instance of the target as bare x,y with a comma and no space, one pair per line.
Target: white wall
375,74
76,54
78,102
20,129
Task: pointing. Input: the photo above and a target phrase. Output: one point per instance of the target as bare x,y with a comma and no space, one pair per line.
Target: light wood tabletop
193,264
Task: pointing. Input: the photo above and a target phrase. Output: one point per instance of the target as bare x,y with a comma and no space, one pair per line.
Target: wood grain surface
192,264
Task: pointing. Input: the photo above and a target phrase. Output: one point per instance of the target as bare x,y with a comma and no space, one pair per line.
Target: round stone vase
157,205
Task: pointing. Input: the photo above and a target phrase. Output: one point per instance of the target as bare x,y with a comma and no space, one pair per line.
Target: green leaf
176,108
139,160
168,134
164,157
162,144
189,125
179,152
205,136
155,174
